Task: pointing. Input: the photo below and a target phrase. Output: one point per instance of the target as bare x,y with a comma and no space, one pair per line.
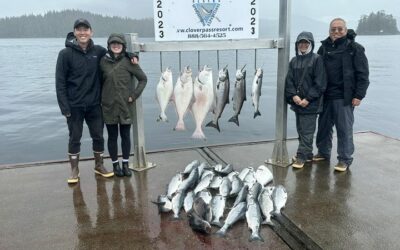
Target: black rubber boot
125,169
117,169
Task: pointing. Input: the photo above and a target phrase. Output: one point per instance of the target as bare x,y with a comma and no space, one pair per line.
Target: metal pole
180,61
218,59
255,59
139,159
161,66
198,60
280,155
236,58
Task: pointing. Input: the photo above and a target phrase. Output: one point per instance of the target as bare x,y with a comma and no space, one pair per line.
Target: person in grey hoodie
305,86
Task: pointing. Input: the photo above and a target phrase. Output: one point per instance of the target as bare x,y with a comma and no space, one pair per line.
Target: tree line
378,23
59,23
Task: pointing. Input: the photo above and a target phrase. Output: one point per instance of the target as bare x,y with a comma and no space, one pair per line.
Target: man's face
83,34
337,30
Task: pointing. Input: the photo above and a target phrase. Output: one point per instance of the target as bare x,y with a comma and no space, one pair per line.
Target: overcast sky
317,9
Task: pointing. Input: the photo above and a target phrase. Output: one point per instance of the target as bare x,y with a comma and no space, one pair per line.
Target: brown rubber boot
99,166
74,161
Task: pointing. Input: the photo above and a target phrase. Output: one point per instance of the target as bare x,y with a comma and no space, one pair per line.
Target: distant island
59,23
378,23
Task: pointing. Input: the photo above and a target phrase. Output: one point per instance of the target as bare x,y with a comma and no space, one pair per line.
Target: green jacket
118,86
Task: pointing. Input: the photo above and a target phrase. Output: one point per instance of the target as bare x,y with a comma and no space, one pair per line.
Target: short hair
338,19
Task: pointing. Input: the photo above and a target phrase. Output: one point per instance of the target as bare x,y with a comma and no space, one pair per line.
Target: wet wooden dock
354,210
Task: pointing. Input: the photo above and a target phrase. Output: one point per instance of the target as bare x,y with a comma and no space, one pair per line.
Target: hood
305,35
71,42
118,38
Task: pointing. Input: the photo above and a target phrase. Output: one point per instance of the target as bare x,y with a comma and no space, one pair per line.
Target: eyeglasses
338,29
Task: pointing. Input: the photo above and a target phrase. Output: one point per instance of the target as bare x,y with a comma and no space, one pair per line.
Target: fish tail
214,125
162,117
256,236
180,125
257,113
234,119
221,233
217,223
159,205
198,134
268,222
175,217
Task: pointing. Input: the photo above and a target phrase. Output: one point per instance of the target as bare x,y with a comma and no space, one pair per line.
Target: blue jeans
94,119
335,113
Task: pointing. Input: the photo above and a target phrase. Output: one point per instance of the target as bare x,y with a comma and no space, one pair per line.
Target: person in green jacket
118,96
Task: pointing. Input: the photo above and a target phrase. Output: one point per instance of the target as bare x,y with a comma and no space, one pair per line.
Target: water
33,129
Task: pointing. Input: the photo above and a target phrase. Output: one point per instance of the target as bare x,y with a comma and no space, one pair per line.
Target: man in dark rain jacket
348,80
78,87
304,89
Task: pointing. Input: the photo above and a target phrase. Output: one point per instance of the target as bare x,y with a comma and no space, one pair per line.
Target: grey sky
316,9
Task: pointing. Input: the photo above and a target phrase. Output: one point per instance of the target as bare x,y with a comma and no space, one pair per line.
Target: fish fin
257,113
214,125
234,119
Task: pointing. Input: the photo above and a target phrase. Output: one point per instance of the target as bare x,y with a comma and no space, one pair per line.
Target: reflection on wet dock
354,210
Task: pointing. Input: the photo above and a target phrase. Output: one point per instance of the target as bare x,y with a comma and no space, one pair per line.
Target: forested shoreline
59,23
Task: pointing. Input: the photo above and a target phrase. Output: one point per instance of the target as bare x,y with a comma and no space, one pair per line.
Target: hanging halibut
164,93
203,98
183,94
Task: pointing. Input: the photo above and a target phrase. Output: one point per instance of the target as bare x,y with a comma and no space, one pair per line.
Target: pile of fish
207,193
202,96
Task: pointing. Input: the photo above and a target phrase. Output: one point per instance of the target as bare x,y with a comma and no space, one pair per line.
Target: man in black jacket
78,87
348,79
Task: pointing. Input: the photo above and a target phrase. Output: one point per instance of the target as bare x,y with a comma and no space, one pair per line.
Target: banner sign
191,20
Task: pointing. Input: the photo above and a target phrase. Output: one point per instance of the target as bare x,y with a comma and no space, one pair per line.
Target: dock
358,209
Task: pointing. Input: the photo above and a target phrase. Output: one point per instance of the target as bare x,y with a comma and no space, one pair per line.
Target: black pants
305,124
94,119
112,143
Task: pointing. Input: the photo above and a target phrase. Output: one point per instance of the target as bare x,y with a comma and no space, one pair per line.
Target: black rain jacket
314,83
355,68
78,76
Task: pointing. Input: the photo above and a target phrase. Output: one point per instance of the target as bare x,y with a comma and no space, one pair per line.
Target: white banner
191,20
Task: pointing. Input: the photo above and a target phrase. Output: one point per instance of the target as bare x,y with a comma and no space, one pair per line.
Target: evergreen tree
377,24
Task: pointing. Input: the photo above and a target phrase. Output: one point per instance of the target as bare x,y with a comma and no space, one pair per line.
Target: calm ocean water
32,128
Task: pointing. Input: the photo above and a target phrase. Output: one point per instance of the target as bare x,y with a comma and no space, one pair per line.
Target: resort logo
206,10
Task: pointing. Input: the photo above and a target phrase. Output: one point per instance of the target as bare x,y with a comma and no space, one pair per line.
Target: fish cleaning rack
279,155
